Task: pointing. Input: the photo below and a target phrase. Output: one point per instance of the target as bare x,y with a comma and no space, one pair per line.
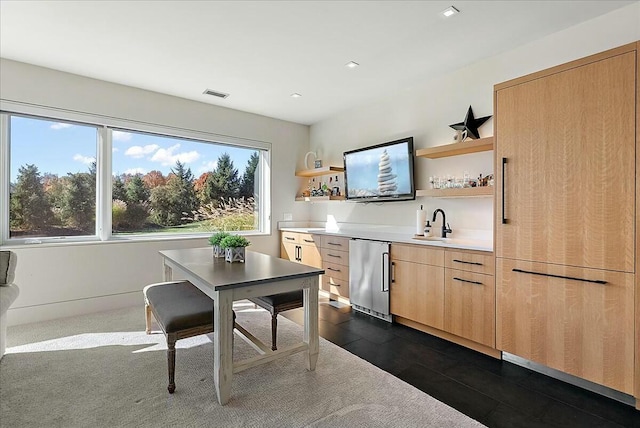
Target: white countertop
466,240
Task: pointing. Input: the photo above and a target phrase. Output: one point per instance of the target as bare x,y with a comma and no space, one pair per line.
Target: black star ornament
471,124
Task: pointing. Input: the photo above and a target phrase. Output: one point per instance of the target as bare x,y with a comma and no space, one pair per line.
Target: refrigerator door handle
385,266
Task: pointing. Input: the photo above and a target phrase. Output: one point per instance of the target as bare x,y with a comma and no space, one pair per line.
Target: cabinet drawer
558,316
335,256
418,254
335,286
290,237
335,242
469,308
308,239
471,262
334,270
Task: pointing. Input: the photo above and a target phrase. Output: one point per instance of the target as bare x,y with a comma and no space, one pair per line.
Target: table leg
223,345
310,300
167,272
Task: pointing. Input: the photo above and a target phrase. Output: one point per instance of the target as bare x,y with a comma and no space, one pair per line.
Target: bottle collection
453,182
323,187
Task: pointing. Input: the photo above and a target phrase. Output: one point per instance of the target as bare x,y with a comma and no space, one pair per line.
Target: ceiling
261,52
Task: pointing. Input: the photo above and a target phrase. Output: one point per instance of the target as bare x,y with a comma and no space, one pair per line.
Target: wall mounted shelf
319,198
465,192
325,170
474,146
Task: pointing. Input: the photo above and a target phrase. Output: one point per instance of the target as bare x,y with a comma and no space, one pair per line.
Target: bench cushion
279,299
180,306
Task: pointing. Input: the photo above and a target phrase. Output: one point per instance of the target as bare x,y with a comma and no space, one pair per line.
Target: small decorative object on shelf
234,248
215,240
469,126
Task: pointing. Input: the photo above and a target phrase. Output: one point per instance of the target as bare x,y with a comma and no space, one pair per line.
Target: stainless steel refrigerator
369,277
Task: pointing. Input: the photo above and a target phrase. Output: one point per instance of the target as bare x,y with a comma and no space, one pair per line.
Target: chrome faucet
445,226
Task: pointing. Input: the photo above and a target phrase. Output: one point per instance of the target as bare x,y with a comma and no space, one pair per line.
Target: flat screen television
380,173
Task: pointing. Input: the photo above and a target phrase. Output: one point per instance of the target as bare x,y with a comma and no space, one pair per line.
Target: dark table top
258,268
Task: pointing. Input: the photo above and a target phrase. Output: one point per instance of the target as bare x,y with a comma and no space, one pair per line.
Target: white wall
62,280
425,111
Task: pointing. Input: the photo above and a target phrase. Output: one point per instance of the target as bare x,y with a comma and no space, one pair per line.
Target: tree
200,187
248,178
79,200
136,190
224,181
119,191
169,202
153,179
29,208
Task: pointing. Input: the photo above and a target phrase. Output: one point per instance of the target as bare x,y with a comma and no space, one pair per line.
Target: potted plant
215,240
234,247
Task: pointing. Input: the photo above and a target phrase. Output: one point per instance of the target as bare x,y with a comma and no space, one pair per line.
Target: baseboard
50,311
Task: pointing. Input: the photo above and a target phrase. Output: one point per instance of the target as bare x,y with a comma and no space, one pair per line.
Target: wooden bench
182,311
278,303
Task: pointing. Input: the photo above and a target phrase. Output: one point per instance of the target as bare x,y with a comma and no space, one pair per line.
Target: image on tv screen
379,172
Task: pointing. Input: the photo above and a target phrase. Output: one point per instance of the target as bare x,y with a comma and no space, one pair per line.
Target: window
79,181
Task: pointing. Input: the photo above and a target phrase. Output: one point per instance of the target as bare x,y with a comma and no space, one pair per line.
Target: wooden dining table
224,282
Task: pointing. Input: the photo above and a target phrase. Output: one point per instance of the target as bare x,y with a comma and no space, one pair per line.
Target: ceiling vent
215,93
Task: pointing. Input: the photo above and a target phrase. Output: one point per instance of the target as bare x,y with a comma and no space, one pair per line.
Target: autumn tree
169,202
153,179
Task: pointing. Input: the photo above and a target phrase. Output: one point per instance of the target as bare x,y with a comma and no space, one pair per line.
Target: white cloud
87,160
61,126
134,171
121,136
166,156
115,149
140,151
208,166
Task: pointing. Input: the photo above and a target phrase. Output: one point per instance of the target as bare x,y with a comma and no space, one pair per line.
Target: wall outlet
287,217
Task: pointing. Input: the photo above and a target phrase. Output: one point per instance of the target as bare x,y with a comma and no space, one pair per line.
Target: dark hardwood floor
493,392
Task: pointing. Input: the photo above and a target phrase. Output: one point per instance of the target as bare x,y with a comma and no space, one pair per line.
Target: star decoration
471,124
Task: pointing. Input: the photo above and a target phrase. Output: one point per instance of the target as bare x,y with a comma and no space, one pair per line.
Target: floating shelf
455,149
319,198
325,170
465,192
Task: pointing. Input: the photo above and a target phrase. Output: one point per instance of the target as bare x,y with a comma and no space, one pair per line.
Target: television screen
380,173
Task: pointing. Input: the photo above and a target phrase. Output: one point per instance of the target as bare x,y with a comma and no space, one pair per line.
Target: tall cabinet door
568,140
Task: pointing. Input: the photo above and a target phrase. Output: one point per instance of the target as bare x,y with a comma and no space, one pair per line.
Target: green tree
224,181
169,202
29,208
136,190
119,191
79,200
248,178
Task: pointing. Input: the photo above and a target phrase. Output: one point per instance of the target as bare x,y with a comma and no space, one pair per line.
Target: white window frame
105,127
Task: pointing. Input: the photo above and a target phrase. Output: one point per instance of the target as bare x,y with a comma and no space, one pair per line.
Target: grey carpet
102,370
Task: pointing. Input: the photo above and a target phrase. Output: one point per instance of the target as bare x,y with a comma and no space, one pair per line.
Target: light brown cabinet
301,248
335,262
565,226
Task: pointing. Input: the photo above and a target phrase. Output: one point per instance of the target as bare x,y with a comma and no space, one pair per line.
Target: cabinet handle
469,263
595,281
299,253
333,255
335,270
289,238
393,272
385,278
309,240
466,280
334,243
504,163
334,285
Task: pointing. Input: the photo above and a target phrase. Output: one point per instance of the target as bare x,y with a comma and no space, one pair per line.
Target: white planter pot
235,254
218,251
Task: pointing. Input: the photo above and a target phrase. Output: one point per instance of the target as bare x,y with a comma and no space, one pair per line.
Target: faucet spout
445,226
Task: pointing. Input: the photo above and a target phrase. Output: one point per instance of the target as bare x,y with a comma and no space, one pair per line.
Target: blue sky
62,148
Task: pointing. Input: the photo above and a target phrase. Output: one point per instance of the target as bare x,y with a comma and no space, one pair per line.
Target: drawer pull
289,238
469,263
595,281
466,280
335,270
333,255
309,240
334,285
334,243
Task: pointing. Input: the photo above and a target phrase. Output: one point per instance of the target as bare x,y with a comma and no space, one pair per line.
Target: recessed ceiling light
449,11
295,95
215,93
351,64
